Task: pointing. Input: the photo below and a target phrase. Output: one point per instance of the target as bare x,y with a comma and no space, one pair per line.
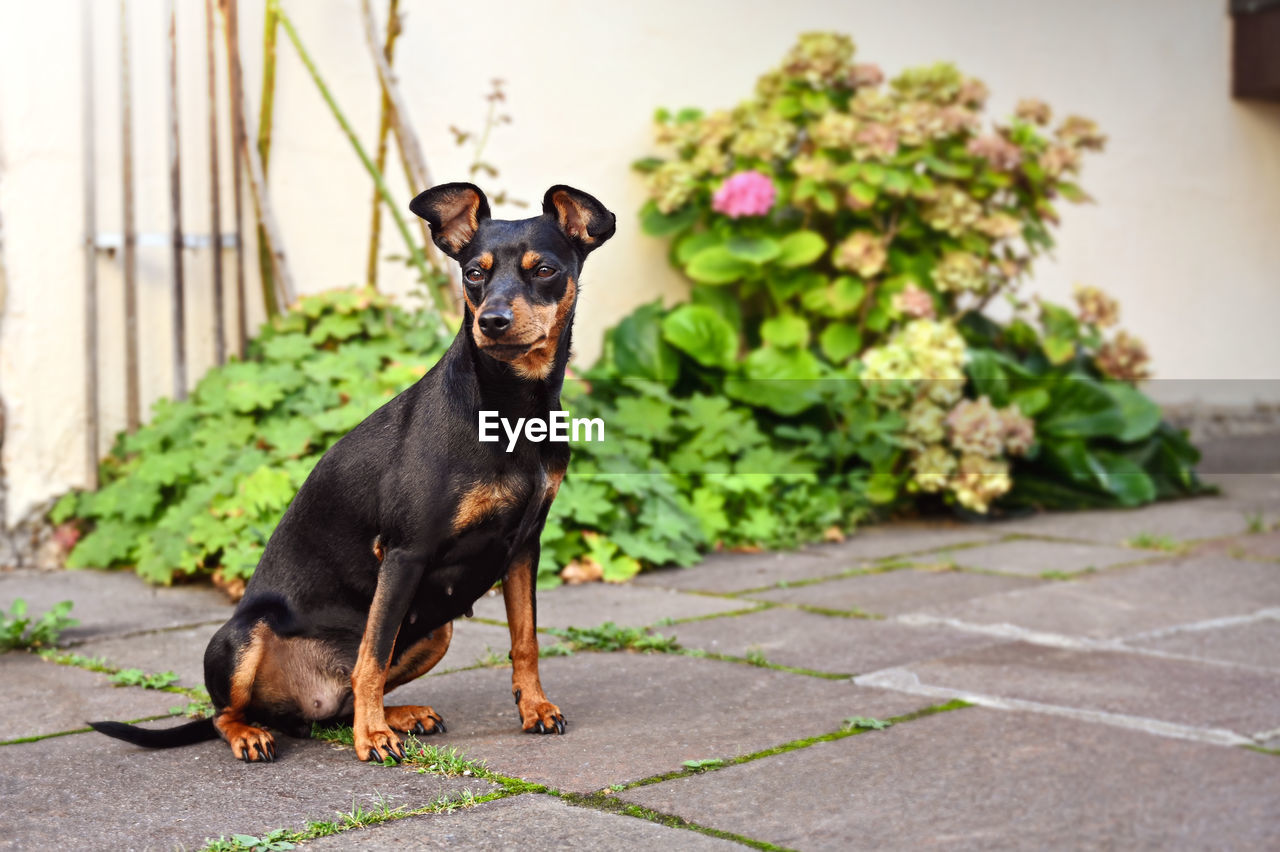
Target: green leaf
801,248
865,193
637,346
840,341
717,265
267,489
785,331
690,244
1140,414
755,250
1125,479
846,294
986,371
655,223
703,334
783,380
1059,350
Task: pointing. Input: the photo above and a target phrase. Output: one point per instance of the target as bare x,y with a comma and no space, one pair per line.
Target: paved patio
1111,695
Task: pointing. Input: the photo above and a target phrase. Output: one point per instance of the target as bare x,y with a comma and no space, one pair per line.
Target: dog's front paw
248,743
415,719
539,716
378,745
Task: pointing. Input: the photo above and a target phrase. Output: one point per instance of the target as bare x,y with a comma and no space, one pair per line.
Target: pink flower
745,194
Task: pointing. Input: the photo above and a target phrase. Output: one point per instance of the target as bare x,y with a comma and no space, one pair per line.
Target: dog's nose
495,321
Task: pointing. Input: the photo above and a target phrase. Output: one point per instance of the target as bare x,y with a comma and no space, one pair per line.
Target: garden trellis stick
89,151
266,115
215,190
394,110
175,208
284,292
380,158
133,404
237,178
415,251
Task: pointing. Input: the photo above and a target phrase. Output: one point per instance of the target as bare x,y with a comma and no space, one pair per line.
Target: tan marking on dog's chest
484,499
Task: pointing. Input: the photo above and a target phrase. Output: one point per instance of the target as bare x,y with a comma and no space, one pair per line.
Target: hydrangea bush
838,227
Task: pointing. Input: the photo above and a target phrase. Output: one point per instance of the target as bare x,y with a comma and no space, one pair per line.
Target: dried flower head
980,481
1124,358
975,426
819,58
1002,154
1034,111
862,252
1019,430
1096,307
933,468
865,74
1079,132
914,302
959,272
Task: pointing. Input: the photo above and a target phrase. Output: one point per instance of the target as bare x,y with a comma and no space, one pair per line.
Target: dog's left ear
583,220
454,211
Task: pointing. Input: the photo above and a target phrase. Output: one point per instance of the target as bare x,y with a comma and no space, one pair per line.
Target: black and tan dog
407,520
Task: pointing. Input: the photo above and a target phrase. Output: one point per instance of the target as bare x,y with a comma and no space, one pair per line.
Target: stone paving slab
1183,520
1234,698
824,643
1265,545
1255,643
473,642
179,651
1032,558
895,592
1129,601
521,823
38,697
593,604
632,716
112,603
989,779
87,791
727,573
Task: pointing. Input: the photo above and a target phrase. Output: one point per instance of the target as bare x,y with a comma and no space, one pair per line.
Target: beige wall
1183,233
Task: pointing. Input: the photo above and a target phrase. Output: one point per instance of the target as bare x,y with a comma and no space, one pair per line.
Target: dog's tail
188,734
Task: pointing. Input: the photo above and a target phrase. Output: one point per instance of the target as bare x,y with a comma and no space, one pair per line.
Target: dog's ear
583,220
454,211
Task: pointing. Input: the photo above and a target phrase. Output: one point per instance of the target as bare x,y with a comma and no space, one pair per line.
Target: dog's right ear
454,211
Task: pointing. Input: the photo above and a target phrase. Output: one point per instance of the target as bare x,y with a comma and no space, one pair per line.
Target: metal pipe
133,403
90,254
215,189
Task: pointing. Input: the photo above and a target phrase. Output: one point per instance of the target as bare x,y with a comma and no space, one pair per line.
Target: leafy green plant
274,841
611,637
702,765
865,723
20,631
137,677
201,487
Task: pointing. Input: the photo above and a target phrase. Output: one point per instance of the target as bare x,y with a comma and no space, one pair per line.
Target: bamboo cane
231,23
175,210
415,251
284,292
380,159
415,164
133,404
215,184
266,114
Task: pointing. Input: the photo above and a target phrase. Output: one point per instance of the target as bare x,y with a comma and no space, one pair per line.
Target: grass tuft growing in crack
610,637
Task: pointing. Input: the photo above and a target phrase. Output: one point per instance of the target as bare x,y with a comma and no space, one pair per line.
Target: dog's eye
475,276
544,272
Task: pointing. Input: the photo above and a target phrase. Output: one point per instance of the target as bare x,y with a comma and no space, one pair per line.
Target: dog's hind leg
248,742
417,660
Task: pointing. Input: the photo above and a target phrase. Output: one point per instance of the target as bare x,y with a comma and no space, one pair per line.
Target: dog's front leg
537,714
398,578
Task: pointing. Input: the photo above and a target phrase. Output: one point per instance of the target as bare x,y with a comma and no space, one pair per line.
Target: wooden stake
284,292
88,149
266,114
380,158
175,211
215,190
133,405
230,23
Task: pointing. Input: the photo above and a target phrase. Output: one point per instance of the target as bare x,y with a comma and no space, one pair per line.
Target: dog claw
419,729
440,728
375,755
559,725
